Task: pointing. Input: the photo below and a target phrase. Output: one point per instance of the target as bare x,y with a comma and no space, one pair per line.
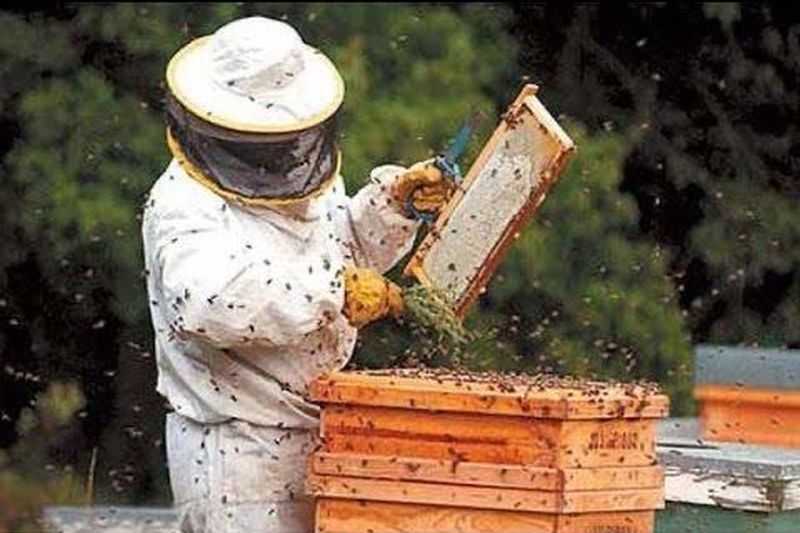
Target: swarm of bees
522,384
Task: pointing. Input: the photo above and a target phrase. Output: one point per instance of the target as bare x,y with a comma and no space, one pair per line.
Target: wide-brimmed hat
255,75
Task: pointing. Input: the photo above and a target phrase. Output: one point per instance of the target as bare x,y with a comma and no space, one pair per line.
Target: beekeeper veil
252,112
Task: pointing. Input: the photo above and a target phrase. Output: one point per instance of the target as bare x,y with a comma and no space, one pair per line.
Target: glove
369,296
425,185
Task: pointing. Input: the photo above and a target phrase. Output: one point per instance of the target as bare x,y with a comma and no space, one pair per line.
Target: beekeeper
260,269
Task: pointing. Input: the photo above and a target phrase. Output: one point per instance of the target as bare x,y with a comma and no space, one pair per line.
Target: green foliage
79,167
20,66
31,475
714,167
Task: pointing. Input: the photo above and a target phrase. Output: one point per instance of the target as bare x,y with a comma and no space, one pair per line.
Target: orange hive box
432,451
749,415
749,395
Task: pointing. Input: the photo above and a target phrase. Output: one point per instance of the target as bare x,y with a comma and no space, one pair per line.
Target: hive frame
525,111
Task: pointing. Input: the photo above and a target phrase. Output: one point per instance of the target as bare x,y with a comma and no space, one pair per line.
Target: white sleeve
218,286
380,235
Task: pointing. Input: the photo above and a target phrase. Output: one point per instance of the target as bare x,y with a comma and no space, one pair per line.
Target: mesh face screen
271,166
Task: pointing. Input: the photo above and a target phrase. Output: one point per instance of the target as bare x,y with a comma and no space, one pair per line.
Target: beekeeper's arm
219,285
380,231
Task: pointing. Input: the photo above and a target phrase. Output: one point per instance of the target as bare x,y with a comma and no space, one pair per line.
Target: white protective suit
246,304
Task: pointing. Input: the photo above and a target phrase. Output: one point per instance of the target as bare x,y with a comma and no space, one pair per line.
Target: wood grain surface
486,474
359,516
484,497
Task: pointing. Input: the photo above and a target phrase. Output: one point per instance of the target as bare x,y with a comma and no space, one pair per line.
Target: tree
714,173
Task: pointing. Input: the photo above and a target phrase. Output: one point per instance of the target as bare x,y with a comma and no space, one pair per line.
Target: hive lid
747,367
726,474
496,394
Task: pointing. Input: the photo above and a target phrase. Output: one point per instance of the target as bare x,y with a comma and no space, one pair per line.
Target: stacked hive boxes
412,451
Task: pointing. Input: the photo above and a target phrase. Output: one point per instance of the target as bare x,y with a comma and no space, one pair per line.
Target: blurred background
678,221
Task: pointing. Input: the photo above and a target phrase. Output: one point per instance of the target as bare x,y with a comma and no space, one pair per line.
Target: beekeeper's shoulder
176,195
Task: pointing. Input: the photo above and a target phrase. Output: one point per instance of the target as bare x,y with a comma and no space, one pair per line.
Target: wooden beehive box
749,396
429,451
